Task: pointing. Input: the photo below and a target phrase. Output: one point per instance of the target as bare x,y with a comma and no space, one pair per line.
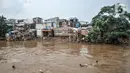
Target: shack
48,29
63,29
21,31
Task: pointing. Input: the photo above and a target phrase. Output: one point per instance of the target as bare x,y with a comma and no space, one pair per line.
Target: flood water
59,56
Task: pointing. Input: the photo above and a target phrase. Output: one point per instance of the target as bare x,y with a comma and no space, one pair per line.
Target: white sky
82,9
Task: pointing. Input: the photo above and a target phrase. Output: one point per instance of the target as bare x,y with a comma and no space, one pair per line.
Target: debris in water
97,61
40,71
13,66
83,65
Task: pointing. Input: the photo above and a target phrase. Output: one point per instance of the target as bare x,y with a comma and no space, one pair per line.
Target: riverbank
66,39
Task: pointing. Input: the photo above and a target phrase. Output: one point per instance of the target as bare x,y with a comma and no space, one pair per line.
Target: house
83,23
31,25
74,22
12,21
22,31
63,23
54,20
38,20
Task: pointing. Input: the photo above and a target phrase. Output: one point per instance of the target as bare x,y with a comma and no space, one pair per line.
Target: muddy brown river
59,56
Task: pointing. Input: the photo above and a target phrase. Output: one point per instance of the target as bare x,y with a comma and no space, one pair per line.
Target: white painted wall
39,28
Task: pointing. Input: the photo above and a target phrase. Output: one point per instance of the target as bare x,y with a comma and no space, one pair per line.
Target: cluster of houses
25,29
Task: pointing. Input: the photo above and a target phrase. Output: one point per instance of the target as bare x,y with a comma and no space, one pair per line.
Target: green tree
109,26
3,27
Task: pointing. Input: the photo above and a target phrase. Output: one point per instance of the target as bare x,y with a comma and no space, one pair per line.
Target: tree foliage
3,27
109,26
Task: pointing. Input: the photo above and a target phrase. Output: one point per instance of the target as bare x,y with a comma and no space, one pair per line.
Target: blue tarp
77,25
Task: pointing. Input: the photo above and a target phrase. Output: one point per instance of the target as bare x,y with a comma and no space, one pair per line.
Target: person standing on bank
53,25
